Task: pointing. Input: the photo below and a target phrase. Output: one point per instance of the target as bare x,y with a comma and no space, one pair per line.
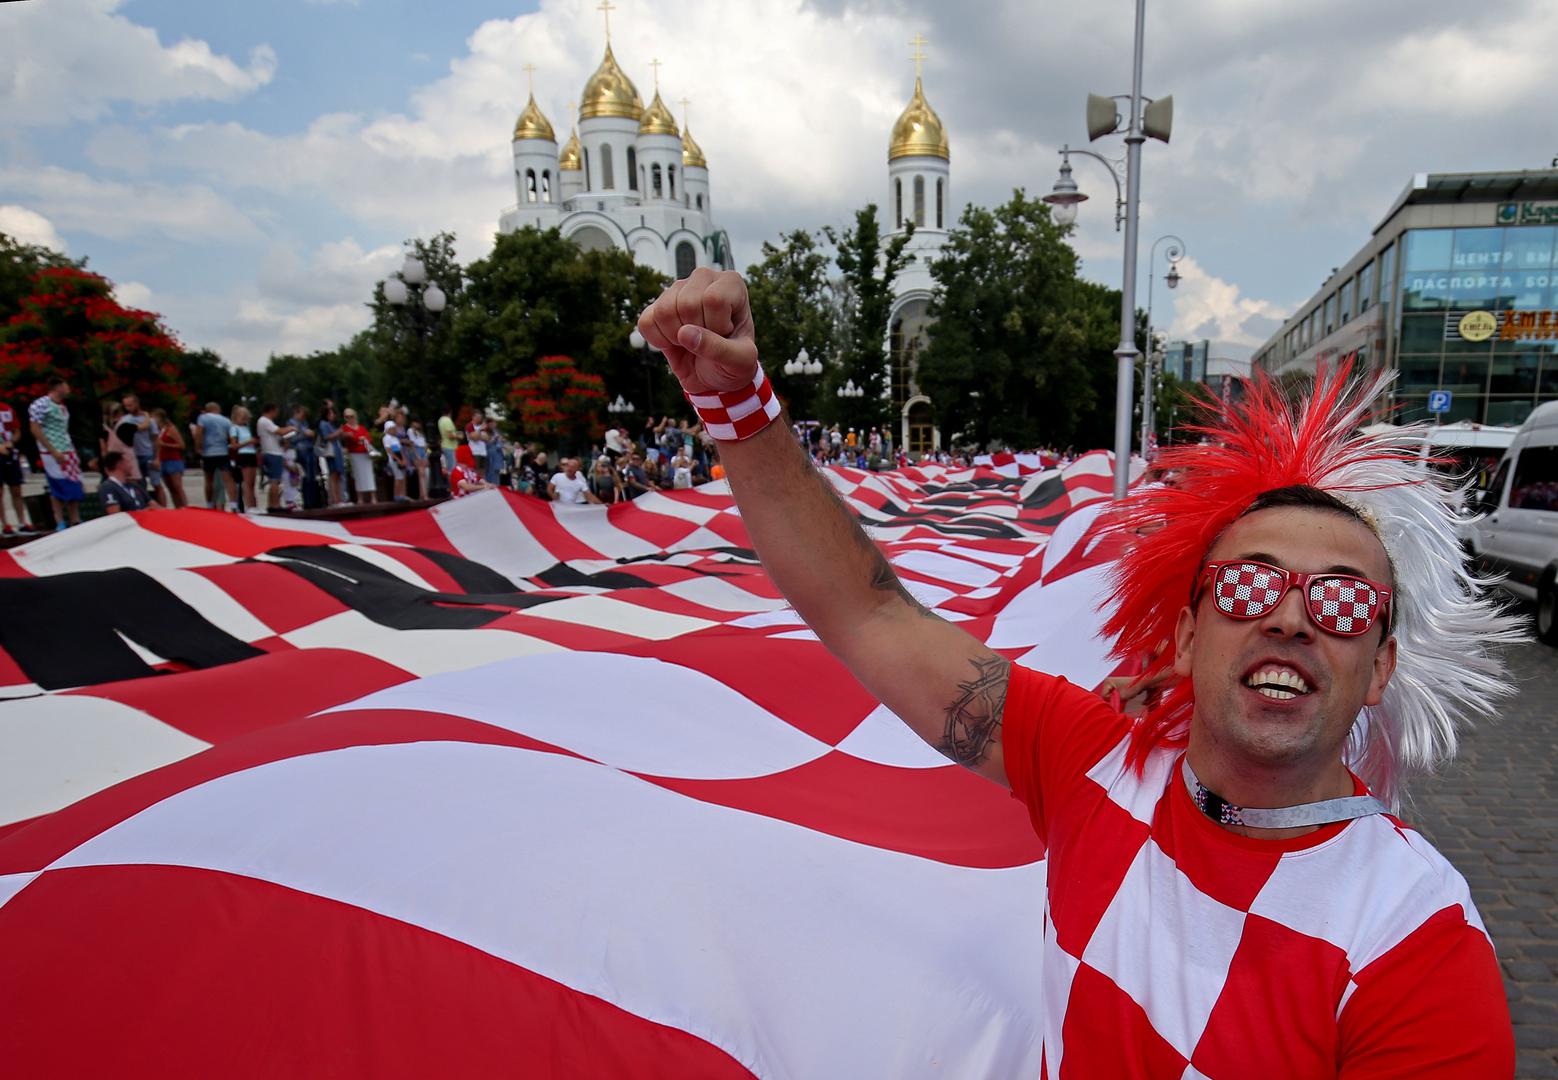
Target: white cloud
295,304
29,227
72,59
1207,307
78,202
133,294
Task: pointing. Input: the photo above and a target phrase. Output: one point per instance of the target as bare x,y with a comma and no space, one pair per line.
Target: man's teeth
1278,684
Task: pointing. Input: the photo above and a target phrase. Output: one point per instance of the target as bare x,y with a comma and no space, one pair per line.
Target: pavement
1494,814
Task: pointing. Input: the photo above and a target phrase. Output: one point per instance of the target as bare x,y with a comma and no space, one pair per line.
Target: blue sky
249,170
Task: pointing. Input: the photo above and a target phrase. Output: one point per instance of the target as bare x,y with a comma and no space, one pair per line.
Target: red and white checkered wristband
737,414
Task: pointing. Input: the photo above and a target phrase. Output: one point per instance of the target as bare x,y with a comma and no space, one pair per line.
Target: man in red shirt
1226,897
463,478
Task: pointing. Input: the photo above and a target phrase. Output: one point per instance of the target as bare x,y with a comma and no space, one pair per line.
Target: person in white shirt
571,485
272,464
395,458
681,469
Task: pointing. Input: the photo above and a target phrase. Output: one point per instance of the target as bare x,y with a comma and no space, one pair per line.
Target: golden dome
692,153
533,125
657,119
570,159
918,132
610,92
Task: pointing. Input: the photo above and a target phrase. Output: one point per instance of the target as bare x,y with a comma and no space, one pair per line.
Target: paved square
1494,814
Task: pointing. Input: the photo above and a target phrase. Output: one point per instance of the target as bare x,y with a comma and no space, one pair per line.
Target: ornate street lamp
1147,119
1175,252
409,292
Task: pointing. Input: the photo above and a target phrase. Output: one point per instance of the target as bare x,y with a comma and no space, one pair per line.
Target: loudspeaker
1102,116
1157,119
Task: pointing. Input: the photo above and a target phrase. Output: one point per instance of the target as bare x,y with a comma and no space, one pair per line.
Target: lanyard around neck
1324,812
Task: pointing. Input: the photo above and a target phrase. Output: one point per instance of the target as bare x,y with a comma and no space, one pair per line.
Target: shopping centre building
1457,290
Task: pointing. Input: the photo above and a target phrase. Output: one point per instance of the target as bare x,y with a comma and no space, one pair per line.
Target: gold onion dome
657,119
570,159
692,153
533,125
610,92
918,132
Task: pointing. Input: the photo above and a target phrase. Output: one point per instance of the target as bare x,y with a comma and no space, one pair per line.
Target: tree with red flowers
71,324
558,401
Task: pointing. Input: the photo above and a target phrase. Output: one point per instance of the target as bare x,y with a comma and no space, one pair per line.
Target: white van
1516,533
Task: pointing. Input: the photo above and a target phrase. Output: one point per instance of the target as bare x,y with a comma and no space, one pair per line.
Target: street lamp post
1146,119
647,351
1175,252
413,293
803,365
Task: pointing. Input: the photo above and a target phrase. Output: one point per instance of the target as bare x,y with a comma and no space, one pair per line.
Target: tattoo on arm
883,578
974,716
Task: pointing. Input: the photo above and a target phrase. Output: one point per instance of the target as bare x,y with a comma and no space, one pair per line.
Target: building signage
1528,325
1439,401
1478,325
1452,283
1501,325
1528,213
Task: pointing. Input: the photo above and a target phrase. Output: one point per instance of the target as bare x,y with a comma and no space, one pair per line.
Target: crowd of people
302,459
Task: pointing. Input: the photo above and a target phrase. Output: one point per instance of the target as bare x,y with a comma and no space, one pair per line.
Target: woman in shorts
420,459
245,448
328,446
170,457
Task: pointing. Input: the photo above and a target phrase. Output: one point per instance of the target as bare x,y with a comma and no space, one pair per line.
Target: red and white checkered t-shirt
459,473
1175,948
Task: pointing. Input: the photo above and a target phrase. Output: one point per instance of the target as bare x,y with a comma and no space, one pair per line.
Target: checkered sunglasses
1337,603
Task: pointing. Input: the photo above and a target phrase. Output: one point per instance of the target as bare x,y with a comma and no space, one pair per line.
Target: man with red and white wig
1229,892
464,478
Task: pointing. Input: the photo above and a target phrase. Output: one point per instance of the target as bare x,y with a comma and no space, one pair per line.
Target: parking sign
1439,401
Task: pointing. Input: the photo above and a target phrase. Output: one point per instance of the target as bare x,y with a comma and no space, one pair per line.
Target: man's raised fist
703,324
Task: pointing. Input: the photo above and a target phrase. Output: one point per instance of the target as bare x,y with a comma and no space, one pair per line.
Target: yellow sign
1478,325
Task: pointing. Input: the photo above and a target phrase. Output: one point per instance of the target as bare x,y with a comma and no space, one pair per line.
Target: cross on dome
918,55
655,63
606,7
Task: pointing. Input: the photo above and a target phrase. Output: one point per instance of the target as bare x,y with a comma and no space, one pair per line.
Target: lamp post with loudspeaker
1148,118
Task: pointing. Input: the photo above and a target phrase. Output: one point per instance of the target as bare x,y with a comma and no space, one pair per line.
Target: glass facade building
1457,290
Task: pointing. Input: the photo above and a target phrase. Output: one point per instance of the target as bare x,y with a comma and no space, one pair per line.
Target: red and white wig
1448,629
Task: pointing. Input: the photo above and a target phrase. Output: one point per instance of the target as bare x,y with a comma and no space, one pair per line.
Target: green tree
869,268
208,378
1021,349
792,309
537,294
351,375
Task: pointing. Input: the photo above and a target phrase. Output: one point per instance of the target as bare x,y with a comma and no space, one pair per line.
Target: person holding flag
1228,887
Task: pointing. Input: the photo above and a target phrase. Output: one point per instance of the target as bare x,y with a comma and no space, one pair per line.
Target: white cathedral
628,178
919,183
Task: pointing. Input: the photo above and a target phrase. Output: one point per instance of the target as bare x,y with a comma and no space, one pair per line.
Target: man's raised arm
943,682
